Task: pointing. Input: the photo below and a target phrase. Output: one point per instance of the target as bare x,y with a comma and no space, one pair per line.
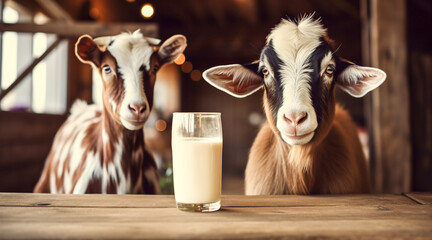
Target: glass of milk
197,161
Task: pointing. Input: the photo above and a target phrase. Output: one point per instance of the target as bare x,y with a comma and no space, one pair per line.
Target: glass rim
197,113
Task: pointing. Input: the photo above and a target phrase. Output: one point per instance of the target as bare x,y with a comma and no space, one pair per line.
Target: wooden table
45,216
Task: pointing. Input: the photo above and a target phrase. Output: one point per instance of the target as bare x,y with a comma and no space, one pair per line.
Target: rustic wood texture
389,113
25,139
420,197
420,65
79,28
44,216
421,119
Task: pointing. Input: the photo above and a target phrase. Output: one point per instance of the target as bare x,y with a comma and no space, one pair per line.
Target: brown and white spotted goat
102,150
309,144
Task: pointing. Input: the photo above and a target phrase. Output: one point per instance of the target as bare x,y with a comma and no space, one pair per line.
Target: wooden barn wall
388,111
25,140
420,80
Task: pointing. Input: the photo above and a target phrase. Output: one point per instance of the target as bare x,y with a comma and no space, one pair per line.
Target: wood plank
1,41
24,126
87,201
167,201
79,28
55,10
421,118
391,143
335,229
420,197
234,214
276,222
21,177
155,217
25,140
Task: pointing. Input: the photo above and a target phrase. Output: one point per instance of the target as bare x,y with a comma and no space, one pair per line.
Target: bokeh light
161,125
147,10
196,75
187,67
180,60
94,13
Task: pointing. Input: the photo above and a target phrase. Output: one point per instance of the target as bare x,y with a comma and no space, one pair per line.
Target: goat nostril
132,108
143,108
301,118
295,118
287,118
137,108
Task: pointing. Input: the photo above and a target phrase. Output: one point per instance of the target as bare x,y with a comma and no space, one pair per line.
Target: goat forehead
130,53
302,32
295,42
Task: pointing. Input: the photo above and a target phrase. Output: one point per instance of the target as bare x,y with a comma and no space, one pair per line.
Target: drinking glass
197,161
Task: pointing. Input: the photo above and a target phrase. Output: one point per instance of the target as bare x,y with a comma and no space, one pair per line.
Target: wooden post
388,120
420,65
1,43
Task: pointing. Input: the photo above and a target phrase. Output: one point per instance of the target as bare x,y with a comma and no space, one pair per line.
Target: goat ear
358,80
88,51
237,80
171,49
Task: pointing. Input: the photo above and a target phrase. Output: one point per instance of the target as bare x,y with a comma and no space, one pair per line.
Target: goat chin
132,125
298,139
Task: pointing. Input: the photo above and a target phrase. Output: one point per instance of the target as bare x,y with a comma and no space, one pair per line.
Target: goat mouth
298,139
133,123
300,136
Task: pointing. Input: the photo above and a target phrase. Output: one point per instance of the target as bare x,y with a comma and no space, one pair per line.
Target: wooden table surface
46,216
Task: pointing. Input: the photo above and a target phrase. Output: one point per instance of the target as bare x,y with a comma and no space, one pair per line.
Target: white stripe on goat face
293,44
132,53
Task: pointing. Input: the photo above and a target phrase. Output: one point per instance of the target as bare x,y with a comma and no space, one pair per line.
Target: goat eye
155,68
330,70
106,69
265,72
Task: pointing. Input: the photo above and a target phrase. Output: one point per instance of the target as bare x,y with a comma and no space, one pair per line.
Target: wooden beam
388,106
80,28
30,68
55,10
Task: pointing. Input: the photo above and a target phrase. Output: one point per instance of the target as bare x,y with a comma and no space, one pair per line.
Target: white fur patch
68,144
53,185
78,106
131,51
294,44
105,137
122,184
92,169
113,105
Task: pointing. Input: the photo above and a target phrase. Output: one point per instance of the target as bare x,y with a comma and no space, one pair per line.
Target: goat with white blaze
102,150
309,144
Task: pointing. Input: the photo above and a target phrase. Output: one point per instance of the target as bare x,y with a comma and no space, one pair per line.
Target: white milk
197,165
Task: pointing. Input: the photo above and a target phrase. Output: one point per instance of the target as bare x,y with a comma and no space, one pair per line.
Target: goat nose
137,109
295,118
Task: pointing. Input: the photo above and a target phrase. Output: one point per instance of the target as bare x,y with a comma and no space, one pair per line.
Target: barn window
44,89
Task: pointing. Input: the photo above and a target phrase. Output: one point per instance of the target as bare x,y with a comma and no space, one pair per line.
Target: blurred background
41,77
